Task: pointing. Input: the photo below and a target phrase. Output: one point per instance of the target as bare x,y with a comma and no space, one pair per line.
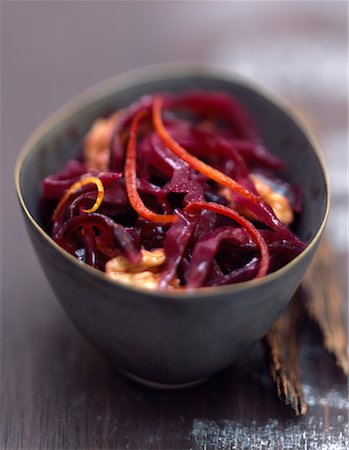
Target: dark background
57,391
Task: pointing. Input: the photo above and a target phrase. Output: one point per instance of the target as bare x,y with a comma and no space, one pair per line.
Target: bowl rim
161,72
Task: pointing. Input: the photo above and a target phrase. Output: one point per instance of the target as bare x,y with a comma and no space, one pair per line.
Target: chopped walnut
146,274
279,203
144,279
207,125
96,144
150,260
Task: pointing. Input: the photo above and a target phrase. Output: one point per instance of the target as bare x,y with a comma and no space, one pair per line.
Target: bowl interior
60,138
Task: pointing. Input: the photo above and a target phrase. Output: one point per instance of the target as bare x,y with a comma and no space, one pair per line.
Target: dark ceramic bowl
170,338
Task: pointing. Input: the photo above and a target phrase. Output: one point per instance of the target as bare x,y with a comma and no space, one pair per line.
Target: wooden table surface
57,392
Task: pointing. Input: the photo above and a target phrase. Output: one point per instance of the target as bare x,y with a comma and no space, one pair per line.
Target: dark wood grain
56,391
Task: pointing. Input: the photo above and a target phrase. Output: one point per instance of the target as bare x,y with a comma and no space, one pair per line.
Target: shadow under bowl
170,338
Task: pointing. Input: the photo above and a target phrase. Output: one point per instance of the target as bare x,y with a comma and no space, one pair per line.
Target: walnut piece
279,203
146,274
96,143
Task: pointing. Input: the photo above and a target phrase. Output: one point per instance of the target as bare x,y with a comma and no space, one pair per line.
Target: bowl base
160,386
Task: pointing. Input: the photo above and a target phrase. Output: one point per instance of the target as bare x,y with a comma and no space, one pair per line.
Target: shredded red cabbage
147,177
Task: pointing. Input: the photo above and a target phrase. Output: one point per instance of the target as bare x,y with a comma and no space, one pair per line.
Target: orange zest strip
131,177
246,224
74,188
194,162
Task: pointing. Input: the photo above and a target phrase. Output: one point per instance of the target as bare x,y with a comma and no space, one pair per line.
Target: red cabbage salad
176,191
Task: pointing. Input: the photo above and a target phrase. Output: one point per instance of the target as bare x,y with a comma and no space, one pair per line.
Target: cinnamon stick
324,303
282,351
